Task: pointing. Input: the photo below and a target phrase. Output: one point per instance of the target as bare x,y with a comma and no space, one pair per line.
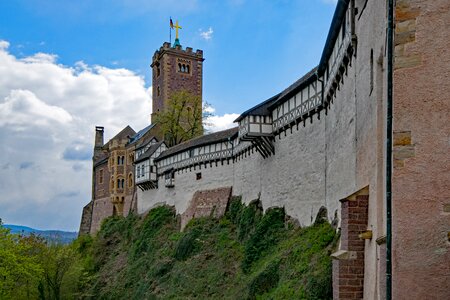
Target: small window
130,180
158,91
122,183
100,176
198,176
371,71
158,71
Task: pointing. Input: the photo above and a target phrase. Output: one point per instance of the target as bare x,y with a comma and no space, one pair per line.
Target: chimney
98,137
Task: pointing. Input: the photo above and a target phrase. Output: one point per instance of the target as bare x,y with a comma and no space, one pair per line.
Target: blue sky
66,66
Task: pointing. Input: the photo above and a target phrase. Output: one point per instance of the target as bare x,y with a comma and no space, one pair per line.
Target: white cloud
48,112
207,35
217,123
4,45
22,108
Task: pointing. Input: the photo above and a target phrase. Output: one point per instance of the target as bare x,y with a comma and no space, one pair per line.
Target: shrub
265,281
265,236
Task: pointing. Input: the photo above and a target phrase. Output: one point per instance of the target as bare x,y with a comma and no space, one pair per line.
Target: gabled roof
211,138
123,134
149,152
140,134
261,109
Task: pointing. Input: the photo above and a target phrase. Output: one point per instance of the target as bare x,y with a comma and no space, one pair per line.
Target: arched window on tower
158,91
187,69
179,67
118,183
122,183
158,71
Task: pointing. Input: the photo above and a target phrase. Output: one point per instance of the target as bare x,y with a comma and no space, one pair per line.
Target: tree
20,270
56,261
183,118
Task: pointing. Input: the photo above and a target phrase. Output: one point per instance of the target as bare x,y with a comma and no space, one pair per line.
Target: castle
363,135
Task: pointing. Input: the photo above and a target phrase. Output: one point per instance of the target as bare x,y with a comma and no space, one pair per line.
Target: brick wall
207,203
348,262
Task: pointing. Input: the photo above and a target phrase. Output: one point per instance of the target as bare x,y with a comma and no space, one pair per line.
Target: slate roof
261,109
149,152
266,107
211,138
333,34
295,88
140,134
101,160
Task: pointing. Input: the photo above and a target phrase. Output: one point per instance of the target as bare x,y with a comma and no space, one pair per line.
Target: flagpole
170,32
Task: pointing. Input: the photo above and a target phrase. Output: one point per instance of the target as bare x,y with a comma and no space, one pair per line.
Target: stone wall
421,174
327,159
321,161
101,209
86,219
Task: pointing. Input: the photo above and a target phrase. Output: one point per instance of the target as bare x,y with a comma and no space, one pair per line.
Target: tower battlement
177,50
175,69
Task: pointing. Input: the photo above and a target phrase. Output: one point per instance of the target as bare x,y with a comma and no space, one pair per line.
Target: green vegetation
183,117
33,268
244,255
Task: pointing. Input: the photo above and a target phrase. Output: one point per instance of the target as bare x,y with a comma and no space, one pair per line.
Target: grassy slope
245,255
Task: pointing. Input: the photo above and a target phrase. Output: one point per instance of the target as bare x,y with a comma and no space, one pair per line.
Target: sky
67,66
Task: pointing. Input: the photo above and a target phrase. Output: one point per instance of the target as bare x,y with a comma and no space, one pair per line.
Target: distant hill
59,236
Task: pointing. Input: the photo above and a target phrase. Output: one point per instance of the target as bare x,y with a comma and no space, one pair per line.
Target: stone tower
175,69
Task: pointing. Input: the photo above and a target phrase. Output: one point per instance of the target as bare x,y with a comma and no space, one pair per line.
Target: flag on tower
171,23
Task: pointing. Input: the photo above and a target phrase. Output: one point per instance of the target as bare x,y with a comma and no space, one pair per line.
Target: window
130,180
184,67
371,71
198,176
100,176
170,179
158,91
122,183
158,71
